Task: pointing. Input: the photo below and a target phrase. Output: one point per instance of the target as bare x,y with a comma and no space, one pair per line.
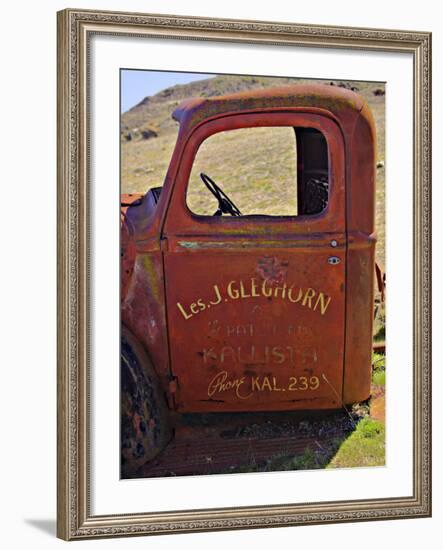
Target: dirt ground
248,442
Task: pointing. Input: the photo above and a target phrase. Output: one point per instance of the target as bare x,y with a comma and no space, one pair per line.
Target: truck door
256,301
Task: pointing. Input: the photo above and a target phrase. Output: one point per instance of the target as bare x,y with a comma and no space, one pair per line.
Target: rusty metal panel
342,103
359,318
360,213
254,329
143,310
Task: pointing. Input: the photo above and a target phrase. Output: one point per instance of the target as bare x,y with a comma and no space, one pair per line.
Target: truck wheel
145,423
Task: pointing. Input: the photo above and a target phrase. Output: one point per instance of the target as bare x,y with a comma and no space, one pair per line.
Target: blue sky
136,84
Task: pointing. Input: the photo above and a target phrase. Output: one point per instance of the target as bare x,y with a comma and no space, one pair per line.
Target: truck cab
243,301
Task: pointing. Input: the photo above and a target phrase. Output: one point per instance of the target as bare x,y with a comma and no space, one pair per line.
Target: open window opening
260,171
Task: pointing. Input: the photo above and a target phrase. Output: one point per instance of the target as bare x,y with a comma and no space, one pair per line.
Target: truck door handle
334,260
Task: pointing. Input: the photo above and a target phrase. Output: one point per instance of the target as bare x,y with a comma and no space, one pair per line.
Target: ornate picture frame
75,31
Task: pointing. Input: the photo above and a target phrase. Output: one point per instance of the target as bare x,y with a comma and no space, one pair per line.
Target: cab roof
337,100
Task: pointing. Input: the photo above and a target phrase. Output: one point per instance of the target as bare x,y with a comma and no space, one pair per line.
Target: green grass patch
379,377
364,447
378,369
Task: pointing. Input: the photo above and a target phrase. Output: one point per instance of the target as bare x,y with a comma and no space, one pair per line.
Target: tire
145,423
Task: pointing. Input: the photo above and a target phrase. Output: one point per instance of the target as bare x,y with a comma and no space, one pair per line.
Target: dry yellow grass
256,167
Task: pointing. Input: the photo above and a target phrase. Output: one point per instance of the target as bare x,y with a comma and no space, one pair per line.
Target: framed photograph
243,274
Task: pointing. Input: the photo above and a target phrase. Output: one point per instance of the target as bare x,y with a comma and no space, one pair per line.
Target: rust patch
378,404
272,269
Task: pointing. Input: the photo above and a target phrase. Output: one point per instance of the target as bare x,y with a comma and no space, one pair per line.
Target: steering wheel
225,204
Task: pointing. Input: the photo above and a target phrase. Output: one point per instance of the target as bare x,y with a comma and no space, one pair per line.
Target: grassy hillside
148,136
